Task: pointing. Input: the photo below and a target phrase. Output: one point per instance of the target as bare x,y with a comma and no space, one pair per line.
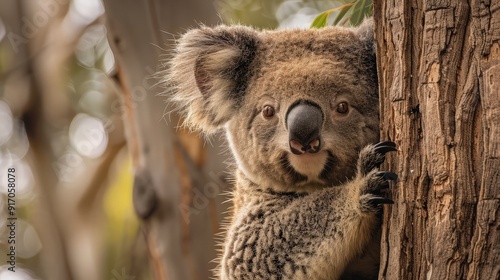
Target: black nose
304,122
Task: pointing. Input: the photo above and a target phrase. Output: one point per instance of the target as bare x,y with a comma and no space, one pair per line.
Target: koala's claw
384,147
376,201
378,181
387,175
370,159
373,203
385,143
372,156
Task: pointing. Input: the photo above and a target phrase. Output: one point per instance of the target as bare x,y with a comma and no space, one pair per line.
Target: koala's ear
366,35
209,73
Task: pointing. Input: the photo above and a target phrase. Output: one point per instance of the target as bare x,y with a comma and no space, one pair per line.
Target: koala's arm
309,236
306,236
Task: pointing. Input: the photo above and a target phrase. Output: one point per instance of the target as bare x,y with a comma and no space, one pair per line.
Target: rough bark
175,187
439,73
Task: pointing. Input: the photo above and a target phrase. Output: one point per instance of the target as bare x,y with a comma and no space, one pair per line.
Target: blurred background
107,186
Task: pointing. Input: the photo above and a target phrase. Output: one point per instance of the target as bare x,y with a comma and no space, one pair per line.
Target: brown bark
439,73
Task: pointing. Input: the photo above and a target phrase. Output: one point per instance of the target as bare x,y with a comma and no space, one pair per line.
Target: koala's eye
342,108
268,111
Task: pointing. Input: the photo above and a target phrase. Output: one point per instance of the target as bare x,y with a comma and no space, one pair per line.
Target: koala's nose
304,121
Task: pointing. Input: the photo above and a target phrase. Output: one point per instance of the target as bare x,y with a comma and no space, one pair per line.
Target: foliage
352,13
249,12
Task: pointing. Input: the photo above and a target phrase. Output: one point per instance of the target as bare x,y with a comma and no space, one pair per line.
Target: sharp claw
384,186
375,189
385,149
388,175
380,200
386,143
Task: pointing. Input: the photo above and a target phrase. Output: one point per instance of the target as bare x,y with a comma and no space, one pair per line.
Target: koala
300,113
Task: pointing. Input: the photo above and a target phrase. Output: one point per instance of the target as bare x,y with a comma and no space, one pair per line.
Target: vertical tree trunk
175,186
439,72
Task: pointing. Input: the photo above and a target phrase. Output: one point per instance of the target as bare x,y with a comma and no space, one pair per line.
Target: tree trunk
176,184
439,73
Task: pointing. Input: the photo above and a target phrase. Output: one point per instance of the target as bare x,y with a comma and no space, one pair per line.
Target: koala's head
297,105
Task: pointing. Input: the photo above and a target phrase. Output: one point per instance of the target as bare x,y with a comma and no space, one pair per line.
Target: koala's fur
311,216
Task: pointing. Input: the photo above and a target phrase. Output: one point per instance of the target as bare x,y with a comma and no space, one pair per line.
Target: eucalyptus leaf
353,12
361,9
342,13
321,20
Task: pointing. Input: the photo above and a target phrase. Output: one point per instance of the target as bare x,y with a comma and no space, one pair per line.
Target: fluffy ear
366,34
209,74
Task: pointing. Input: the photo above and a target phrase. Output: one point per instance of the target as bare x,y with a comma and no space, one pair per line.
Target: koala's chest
264,241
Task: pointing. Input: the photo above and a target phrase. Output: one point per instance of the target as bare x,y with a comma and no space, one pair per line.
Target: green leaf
321,20
361,9
345,20
342,13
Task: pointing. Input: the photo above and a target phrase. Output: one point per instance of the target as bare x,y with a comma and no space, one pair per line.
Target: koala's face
297,105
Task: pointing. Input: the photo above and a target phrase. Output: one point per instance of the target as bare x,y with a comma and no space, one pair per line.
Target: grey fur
295,216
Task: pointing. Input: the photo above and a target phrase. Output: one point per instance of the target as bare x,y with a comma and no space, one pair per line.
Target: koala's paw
370,159
372,156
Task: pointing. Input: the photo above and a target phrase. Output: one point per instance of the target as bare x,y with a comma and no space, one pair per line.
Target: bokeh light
20,274
18,145
30,243
86,11
6,123
2,30
88,136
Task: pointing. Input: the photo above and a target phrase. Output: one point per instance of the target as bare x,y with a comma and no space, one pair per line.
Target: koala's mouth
312,168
